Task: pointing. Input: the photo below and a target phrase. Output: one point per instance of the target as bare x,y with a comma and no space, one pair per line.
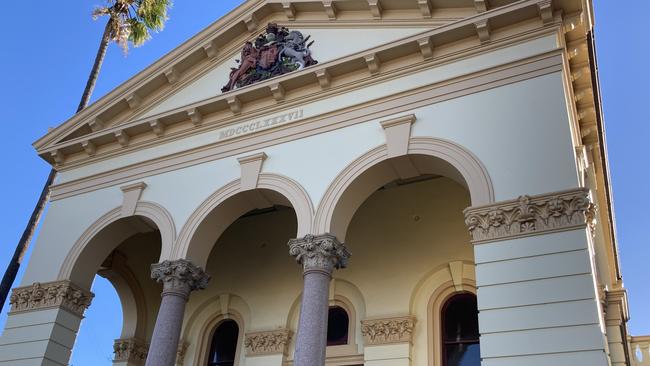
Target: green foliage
131,21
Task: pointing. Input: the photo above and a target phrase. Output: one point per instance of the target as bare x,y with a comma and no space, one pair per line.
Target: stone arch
228,203
372,170
428,297
131,294
105,234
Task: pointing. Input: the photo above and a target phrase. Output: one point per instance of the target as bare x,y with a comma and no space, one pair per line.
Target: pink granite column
319,255
179,279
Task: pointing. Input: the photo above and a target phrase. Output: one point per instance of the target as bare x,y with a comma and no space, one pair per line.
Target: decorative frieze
319,252
49,295
387,331
180,352
266,343
180,276
130,350
529,215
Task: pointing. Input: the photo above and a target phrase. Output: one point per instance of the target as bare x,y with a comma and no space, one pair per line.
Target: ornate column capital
62,294
319,252
130,349
179,277
267,343
531,215
388,331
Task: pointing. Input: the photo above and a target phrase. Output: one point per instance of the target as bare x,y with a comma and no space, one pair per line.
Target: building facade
347,182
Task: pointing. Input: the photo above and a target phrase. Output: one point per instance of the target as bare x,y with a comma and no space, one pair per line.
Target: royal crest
276,52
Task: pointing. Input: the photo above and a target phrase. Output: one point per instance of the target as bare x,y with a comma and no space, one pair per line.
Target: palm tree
129,22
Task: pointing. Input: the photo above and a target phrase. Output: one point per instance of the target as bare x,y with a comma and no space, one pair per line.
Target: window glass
460,331
224,344
337,326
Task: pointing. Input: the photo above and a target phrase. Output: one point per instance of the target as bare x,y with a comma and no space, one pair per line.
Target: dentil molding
530,215
388,330
62,294
130,350
266,343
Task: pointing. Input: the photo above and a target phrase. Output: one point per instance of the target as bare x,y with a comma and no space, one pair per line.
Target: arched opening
400,227
115,258
338,326
460,333
230,203
223,346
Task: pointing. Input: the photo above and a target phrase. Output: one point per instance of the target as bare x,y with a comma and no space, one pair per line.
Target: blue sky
47,59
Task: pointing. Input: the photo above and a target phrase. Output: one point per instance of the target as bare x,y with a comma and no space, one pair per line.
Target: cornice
125,137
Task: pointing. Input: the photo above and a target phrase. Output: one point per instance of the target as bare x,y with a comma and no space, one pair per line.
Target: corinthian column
179,279
319,256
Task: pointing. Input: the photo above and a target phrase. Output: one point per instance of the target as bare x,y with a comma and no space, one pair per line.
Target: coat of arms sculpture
276,52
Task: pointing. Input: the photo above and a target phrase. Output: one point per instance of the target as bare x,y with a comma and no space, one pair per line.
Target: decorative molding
483,30
388,330
373,63
130,196
324,79
130,350
251,166
40,296
319,252
267,343
179,277
398,134
531,215
426,48
180,352
289,10
480,6
375,8
546,11
426,8
330,9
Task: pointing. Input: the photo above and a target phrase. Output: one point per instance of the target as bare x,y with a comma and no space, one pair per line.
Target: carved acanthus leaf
131,349
322,252
179,276
531,214
389,330
264,343
52,294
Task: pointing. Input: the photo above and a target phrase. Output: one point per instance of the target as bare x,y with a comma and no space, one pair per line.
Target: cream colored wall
490,124
444,72
392,253
327,47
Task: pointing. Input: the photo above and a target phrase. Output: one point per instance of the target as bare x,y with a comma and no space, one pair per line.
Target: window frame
209,330
443,322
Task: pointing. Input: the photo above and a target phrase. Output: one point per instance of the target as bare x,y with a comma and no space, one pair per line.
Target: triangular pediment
338,27
346,34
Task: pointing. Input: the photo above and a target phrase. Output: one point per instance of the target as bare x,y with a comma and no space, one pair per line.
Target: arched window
460,337
338,323
223,346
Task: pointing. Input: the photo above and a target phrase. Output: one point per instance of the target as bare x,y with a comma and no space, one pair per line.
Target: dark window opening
224,344
337,326
460,334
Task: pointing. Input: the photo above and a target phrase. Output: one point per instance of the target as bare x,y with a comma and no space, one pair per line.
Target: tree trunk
12,269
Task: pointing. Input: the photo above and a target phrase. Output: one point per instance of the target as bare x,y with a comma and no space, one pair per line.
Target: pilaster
388,341
43,323
537,298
